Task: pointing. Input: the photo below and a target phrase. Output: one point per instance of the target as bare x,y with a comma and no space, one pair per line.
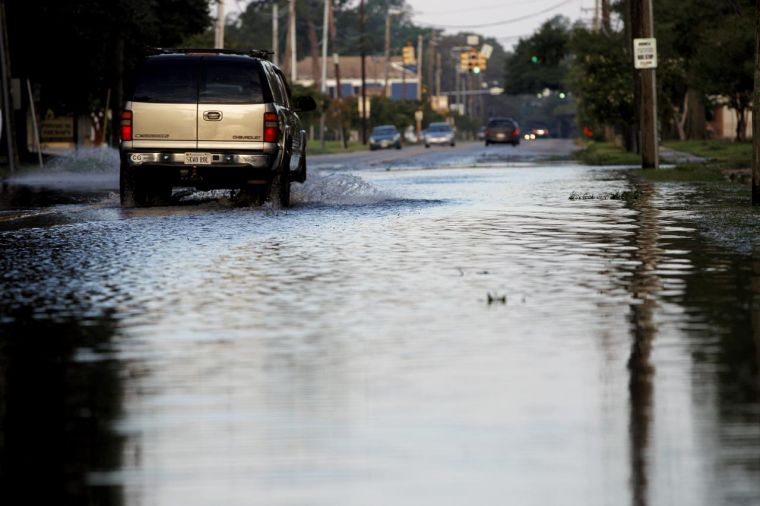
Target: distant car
502,130
439,133
384,136
482,133
537,132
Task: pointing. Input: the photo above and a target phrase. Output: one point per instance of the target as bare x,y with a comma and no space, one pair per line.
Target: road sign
486,51
645,53
473,40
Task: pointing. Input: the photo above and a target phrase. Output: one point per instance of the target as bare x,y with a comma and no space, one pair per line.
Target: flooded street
430,327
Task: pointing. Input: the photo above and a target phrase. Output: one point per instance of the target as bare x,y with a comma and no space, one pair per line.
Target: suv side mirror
304,104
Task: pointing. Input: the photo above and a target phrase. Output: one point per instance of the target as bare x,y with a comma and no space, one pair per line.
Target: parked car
384,136
439,133
211,118
502,130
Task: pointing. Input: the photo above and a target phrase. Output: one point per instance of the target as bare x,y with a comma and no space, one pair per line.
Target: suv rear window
230,82
179,80
168,81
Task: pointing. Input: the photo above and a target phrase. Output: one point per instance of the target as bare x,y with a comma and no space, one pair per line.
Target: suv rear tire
131,193
279,188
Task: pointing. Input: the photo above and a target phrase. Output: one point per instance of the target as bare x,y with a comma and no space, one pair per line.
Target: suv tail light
516,132
271,127
126,125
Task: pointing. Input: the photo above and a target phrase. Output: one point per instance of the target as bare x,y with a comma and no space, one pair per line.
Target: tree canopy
540,61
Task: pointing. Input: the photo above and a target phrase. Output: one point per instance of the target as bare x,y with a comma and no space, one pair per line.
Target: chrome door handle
212,115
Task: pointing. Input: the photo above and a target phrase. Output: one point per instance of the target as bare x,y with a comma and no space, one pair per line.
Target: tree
75,51
686,38
725,65
540,61
601,77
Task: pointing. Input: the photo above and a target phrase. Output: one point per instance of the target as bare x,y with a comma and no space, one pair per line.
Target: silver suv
211,118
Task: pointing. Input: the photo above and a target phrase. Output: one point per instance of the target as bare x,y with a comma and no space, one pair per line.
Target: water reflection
644,286
56,412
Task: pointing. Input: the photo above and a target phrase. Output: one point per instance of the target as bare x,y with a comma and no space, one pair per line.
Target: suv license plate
197,158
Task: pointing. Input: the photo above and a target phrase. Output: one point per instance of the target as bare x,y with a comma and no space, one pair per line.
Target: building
402,80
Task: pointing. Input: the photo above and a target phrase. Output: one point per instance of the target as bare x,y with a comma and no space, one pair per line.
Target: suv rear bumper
227,169
259,161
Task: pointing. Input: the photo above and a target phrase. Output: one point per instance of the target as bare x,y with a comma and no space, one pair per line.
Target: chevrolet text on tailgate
208,119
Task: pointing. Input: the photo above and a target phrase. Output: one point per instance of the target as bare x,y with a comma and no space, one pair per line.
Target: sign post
645,63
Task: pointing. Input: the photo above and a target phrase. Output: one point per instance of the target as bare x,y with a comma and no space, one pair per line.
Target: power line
471,9
499,23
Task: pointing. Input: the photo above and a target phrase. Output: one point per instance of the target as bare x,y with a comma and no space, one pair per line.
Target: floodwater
404,335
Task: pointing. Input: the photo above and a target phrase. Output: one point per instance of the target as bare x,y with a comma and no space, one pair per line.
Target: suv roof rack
256,53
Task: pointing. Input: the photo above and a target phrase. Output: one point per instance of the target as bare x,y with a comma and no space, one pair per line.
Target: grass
331,147
603,153
726,154
687,173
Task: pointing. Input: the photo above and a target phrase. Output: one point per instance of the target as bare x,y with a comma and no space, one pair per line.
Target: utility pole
323,81
325,28
387,51
219,32
756,115
293,49
437,74
431,75
643,28
364,73
391,12
275,32
605,22
5,75
339,99
419,67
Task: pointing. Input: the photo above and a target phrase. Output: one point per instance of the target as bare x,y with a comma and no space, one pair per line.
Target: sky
506,20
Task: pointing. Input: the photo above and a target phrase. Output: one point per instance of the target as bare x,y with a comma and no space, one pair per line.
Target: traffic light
464,62
473,57
535,59
407,55
472,61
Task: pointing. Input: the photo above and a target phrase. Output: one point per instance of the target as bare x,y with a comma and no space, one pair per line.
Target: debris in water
496,298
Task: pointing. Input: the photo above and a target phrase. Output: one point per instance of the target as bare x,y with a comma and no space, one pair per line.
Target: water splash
86,161
341,189
84,168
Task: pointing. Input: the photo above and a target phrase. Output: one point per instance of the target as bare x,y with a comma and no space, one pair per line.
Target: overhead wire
498,23
471,9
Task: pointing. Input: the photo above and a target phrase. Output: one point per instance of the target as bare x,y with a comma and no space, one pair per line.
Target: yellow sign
57,129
